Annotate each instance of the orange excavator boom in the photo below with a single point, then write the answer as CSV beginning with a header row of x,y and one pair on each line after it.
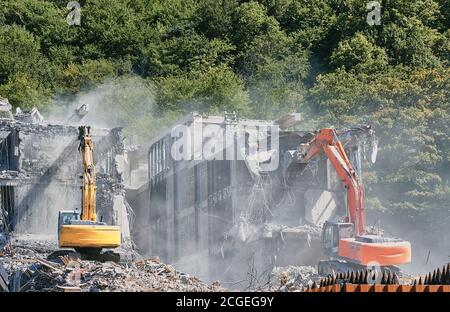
x,y
358,248
327,141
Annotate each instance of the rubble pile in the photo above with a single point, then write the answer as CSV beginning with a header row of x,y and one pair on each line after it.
x,y
307,229
28,269
292,278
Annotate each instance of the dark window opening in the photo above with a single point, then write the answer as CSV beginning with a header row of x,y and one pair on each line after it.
x,y
9,151
7,208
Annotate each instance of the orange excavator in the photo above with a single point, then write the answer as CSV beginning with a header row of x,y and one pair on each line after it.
x,y
347,243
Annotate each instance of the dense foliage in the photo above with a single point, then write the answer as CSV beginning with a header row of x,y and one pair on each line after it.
x,y
260,59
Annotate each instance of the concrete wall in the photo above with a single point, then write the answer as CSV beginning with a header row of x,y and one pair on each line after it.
x,y
320,206
37,206
48,176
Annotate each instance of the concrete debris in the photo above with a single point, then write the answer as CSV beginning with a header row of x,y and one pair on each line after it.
x,y
78,114
4,281
310,229
32,116
3,241
5,245
26,269
289,120
292,278
243,231
5,109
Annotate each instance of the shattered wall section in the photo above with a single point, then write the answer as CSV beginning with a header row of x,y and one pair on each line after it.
x,y
111,203
47,178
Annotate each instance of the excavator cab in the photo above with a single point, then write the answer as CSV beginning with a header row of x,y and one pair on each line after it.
x,y
347,250
332,233
66,217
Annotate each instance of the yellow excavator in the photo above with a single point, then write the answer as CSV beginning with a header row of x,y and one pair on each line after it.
x,y
82,231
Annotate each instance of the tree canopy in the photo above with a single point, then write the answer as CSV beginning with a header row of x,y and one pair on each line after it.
x,y
258,58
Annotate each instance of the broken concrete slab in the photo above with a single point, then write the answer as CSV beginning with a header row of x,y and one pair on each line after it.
x,y
320,206
5,109
292,278
121,216
4,280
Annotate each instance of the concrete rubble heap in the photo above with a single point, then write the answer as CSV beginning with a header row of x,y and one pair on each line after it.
x,y
292,278
27,269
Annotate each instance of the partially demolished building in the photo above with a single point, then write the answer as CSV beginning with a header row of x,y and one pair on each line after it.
x,y
40,173
222,214
217,195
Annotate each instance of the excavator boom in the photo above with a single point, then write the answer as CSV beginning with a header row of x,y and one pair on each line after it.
x,y
88,208
82,231
327,141
348,240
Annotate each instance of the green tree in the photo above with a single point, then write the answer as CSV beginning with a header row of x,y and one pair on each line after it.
x,y
310,21
25,74
257,36
216,90
81,76
411,44
41,18
25,92
216,18
278,86
19,52
109,29
359,54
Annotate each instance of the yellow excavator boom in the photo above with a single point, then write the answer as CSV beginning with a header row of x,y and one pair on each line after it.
x,y
89,188
83,230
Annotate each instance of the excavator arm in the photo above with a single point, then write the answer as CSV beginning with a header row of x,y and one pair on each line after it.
x,y
89,188
358,249
326,140
82,231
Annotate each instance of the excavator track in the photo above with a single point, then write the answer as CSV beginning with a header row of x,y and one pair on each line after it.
x,y
327,267
96,254
92,254
57,255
